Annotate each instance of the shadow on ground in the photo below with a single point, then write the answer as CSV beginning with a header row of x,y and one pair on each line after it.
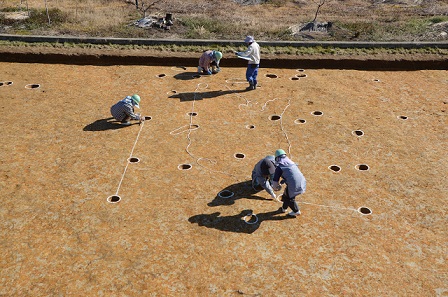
x,y
187,76
243,222
239,190
105,124
190,96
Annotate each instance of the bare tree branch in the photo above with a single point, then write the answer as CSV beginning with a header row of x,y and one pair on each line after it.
x,y
142,6
322,2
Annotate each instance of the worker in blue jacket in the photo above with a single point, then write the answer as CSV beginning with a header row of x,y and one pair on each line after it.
x,y
294,179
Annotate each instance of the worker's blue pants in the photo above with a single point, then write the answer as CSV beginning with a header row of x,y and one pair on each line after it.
x,y
251,74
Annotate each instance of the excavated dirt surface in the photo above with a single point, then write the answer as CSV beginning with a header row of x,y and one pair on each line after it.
x,y
171,233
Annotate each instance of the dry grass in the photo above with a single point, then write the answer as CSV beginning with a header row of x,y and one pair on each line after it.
x,y
407,20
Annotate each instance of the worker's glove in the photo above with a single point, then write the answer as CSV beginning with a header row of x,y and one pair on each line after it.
x,y
142,118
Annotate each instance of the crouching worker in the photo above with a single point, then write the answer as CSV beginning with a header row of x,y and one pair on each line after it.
x,y
209,62
123,110
294,179
262,175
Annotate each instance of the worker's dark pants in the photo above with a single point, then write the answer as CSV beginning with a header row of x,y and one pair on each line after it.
x,y
289,202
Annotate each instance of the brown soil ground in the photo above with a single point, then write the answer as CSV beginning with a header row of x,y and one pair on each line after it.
x,y
171,234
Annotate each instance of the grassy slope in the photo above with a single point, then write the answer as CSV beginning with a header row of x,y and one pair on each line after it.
x,y
354,20
359,20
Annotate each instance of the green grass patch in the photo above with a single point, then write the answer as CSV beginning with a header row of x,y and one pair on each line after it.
x,y
228,50
38,19
206,28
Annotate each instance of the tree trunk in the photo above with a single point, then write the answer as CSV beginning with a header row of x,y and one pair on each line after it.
x,y
48,15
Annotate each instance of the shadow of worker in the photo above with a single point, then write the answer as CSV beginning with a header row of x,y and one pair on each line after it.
x,y
105,124
187,75
244,222
190,96
240,190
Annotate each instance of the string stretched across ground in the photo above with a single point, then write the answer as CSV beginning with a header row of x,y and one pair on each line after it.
x,y
130,155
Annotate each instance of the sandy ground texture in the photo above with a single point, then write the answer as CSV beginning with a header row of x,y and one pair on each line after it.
x,y
375,225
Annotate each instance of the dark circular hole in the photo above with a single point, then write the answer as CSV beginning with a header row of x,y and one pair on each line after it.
x,y
300,70
275,117
192,114
358,133
251,219
362,167
250,126
300,121
1,84
113,199
302,75
364,210
194,126
335,168
239,156
317,113
148,118
133,160
376,80
162,75
184,167
271,75
226,194
32,86
8,83
295,78
403,117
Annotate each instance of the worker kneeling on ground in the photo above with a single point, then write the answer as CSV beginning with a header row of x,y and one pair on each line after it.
x,y
209,62
123,110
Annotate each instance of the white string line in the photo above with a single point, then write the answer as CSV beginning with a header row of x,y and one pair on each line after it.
x,y
191,116
248,102
281,121
264,105
189,138
127,163
321,205
176,131
283,130
236,81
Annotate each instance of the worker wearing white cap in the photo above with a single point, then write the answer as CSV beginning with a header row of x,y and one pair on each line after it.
x,y
253,55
